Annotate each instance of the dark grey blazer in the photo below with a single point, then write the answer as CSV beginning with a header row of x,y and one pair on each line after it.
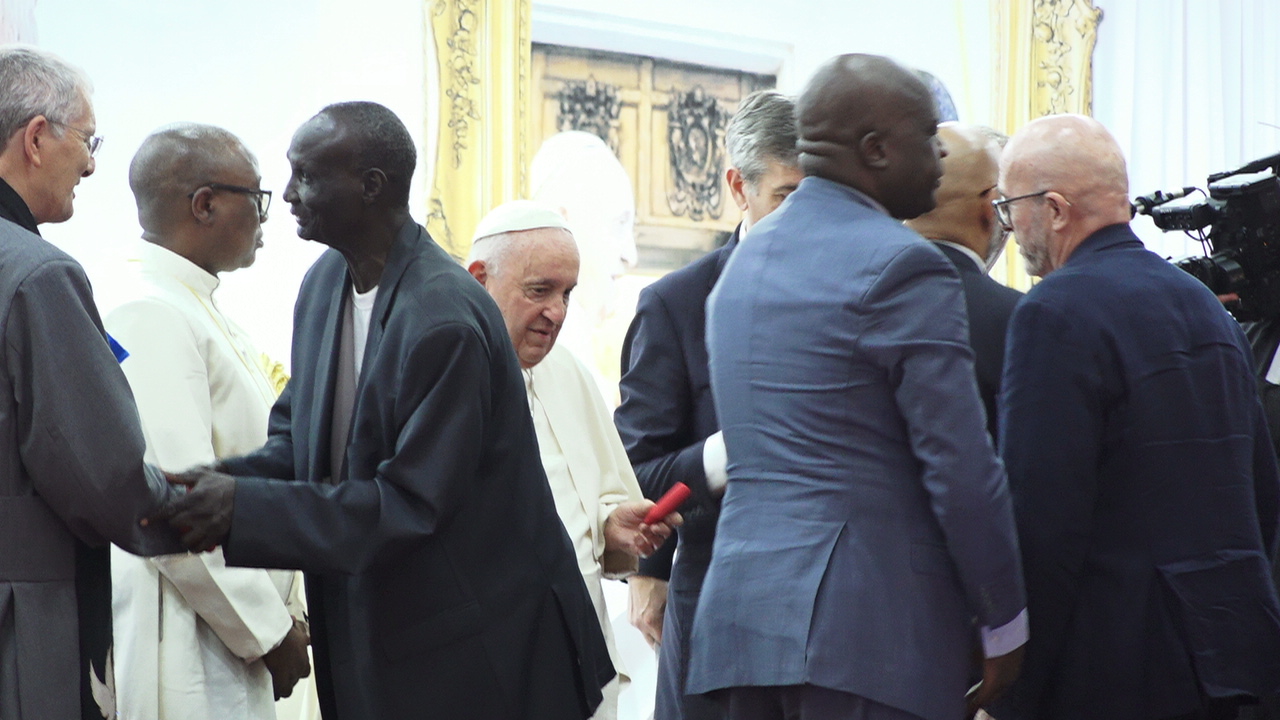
x,y
71,477
867,524
440,578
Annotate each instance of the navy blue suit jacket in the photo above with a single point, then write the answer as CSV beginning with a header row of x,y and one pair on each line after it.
x,y
1145,490
867,522
667,411
989,305
439,576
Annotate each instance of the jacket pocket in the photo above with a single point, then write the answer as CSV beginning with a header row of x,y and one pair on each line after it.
x,y
1229,620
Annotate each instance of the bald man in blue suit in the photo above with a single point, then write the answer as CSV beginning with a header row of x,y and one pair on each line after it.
x,y
866,537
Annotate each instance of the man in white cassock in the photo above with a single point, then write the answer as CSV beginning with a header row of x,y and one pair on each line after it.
x,y
195,639
525,256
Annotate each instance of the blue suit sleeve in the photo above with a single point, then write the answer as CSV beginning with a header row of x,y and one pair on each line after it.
x,y
918,332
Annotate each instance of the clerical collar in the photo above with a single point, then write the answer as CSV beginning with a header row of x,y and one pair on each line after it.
x,y
167,263
14,209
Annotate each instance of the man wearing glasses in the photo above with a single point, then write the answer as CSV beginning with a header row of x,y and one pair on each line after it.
x,y
1143,478
72,477
195,639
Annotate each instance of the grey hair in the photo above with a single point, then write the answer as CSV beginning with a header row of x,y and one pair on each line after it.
x,y
994,136
495,250
763,130
35,82
492,250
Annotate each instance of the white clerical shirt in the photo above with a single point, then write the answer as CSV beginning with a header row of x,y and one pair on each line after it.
x,y
190,631
587,468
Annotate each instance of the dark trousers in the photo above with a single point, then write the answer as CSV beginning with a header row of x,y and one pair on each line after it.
x,y
806,702
673,656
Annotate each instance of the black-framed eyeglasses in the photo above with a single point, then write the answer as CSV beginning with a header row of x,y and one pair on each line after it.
x,y
91,141
1002,207
261,198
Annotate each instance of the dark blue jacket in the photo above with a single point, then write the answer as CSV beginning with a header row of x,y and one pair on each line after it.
x,y
1145,491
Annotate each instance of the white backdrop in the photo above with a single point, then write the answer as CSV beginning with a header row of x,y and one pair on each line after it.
x,y
1187,87
259,69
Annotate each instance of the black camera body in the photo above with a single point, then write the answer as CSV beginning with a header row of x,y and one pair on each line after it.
x,y
1242,248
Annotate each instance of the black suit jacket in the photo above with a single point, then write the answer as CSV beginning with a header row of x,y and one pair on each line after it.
x,y
989,304
667,411
440,578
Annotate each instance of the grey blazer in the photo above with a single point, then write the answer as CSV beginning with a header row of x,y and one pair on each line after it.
x,y
439,576
71,477
867,526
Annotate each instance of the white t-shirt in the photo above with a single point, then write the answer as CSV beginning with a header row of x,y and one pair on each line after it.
x,y
361,315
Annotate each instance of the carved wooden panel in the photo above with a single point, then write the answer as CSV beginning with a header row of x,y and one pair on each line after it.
x,y
666,122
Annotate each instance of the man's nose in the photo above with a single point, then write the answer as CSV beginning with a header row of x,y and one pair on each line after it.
x,y
556,310
93,165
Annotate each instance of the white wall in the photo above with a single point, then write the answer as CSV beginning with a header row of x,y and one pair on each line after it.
x,y
259,69
1188,87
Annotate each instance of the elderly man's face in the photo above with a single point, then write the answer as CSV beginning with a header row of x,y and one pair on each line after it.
x,y
325,191
240,226
1030,223
64,160
532,289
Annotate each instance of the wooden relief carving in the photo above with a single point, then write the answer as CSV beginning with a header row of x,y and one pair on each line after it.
x,y
695,136
592,107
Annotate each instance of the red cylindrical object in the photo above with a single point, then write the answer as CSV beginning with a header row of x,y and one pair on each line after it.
x,y
670,500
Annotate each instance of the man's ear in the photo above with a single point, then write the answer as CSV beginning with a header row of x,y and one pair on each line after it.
x,y
1059,210
202,205
737,187
479,271
34,137
872,149
374,181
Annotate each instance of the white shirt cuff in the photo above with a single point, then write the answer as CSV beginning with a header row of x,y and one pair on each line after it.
x,y
715,463
1006,638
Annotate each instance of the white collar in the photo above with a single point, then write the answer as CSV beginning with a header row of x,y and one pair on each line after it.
x,y
165,262
975,257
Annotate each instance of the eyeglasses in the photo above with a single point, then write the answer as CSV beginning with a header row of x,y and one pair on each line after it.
x,y
261,198
1002,208
91,141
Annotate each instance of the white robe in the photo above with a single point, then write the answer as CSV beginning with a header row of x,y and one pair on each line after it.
x,y
589,474
190,631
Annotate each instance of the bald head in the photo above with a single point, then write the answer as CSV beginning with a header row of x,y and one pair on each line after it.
x,y
1080,169
869,123
969,173
1074,155
174,161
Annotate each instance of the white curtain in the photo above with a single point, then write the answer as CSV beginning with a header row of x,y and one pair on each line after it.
x,y
1188,87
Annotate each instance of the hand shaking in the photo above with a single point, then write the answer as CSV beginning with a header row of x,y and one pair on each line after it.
x,y
202,515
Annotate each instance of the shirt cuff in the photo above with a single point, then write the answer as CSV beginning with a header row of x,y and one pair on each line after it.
x,y
1006,638
715,463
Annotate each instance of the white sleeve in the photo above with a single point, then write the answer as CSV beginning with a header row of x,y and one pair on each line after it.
x,y
169,378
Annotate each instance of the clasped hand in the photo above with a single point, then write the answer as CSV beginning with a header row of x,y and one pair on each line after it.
x,y
201,515
627,531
